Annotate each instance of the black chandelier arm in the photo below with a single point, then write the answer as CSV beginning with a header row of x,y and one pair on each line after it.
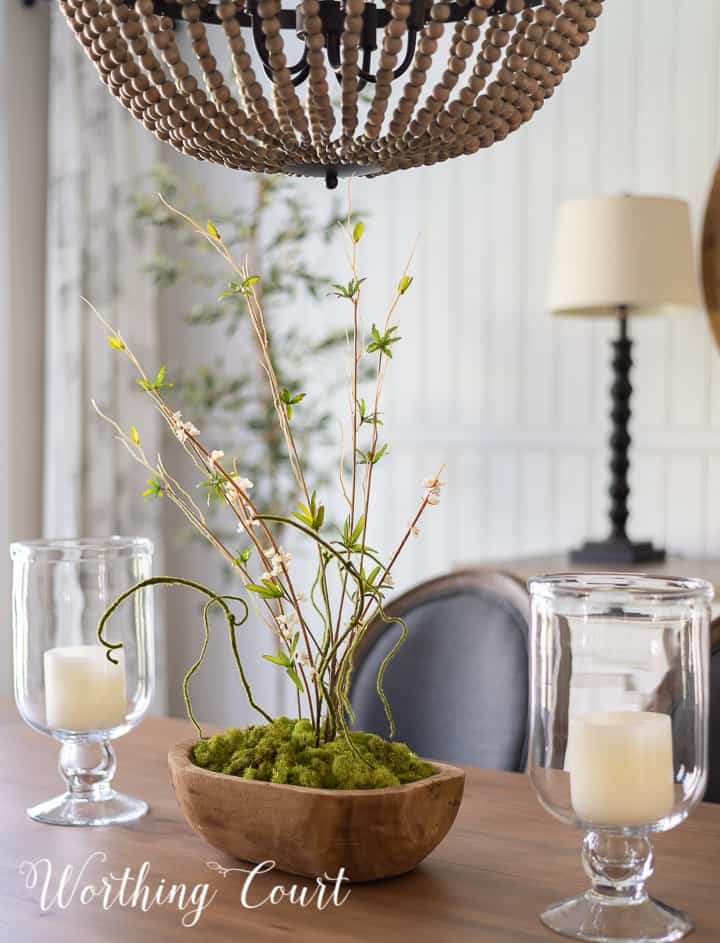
x,y
364,71
208,14
409,53
332,46
332,14
374,19
368,44
299,70
303,73
288,18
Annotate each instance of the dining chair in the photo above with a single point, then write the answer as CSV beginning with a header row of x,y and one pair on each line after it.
x,y
712,793
459,688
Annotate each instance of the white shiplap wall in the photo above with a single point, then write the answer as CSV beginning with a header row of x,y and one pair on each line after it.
x,y
512,400
516,401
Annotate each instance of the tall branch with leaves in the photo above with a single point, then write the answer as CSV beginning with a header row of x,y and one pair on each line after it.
x,y
317,634
274,231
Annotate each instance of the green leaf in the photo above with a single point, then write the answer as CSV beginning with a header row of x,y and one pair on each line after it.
x,y
290,400
292,674
376,456
372,419
358,529
278,659
134,437
215,486
115,342
404,283
243,557
235,289
350,540
358,232
312,516
372,576
212,229
370,457
349,291
153,490
266,590
383,342
232,289
157,384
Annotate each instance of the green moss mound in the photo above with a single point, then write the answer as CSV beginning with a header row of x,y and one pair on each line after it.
x,y
285,752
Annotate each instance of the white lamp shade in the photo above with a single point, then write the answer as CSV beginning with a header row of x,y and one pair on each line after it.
x,y
634,251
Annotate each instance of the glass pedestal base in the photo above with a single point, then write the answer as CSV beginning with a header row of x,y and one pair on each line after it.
x,y
113,809
87,766
592,917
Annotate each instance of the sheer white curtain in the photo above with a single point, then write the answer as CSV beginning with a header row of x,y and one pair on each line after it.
x,y
98,156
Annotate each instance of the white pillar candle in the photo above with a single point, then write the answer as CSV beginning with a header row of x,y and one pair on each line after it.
x,y
621,767
83,690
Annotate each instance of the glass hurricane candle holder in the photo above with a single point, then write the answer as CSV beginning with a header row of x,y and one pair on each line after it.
x,y
618,740
65,686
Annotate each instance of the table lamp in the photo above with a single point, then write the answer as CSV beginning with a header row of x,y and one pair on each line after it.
x,y
621,256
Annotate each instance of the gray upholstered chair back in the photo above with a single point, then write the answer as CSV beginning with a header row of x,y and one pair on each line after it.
x,y
712,793
458,688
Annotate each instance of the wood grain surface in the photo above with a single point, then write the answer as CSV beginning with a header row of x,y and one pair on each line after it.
x,y
524,568
504,860
371,833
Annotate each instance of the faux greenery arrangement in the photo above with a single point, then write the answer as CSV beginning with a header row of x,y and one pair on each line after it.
x,y
318,632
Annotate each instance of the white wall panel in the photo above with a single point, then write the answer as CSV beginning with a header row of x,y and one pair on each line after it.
x,y
684,502
648,487
531,391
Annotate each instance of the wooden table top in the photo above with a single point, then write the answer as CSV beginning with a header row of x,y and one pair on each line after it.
x,y
526,567
503,862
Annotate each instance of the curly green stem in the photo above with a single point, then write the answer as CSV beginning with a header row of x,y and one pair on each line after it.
x,y
214,598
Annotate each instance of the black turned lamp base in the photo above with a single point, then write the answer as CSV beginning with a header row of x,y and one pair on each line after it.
x,y
617,550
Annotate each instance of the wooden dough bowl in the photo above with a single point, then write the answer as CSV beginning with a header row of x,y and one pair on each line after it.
x,y
372,833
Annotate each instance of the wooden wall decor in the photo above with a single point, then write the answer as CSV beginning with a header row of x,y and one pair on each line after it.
x,y
711,256
504,59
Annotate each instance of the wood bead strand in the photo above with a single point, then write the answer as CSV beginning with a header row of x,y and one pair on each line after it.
x,y
392,44
283,89
231,118
426,48
245,79
322,117
349,69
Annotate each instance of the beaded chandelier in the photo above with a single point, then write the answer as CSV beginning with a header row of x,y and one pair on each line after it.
x,y
501,58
